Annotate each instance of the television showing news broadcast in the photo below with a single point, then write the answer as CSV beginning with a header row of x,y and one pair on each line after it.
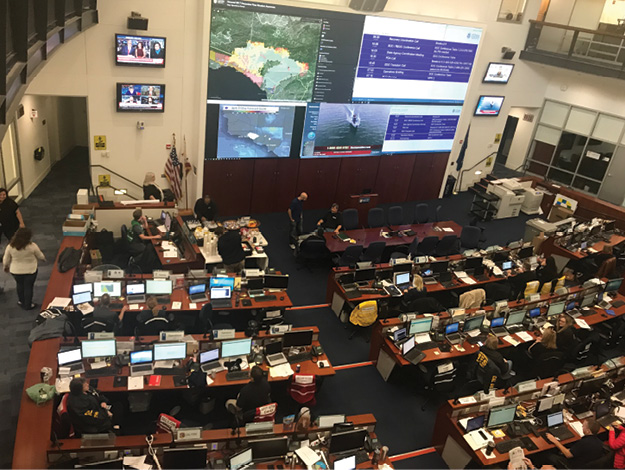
x,y
140,50
489,105
142,97
498,73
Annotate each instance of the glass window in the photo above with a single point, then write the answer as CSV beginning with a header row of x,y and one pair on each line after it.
x,y
569,151
51,16
586,185
554,113
543,152
511,10
537,169
548,135
32,31
608,128
560,176
69,8
596,159
581,121
9,39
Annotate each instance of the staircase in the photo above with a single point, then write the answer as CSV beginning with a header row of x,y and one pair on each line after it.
x,y
502,171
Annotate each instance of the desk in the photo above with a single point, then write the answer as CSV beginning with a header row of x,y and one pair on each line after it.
x,y
551,247
366,236
62,282
191,256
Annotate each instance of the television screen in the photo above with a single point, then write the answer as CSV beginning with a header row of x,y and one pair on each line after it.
x,y
140,97
140,50
489,105
498,73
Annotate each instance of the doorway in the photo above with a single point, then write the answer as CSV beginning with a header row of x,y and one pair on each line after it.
x,y
506,140
10,176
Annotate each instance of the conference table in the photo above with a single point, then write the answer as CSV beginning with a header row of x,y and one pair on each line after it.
x,y
366,236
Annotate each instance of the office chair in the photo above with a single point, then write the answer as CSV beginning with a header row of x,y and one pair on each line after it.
x,y
437,214
153,327
302,389
470,237
427,247
421,214
105,267
413,248
441,380
474,298
546,288
311,251
531,287
549,365
374,252
350,256
396,215
95,326
350,219
62,427
448,245
403,251
375,218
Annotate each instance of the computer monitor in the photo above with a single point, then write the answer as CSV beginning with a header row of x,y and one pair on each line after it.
x,y
583,245
602,409
476,423
497,322
402,267
185,458
526,252
595,230
197,289
534,312
452,328
69,356
112,288
407,346
137,288
297,338
608,226
367,274
587,300
170,351
506,265
255,283
499,256
81,298
348,463
273,347
221,293
240,459
515,317
590,386
158,287
98,348
439,266
346,441
472,263
555,308
276,281
473,323
236,347
384,274
218,281
613,285
420,325
272,448
141,357
401,278
555,419
399,334
209,356
80,288
501,415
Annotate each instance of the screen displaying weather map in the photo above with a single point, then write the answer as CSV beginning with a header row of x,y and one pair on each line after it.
x,y
255,131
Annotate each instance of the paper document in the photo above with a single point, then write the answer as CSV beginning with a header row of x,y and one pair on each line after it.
x,y
308,456
192,306
60,302
135,462
142,202
283,370
133,307
474,333
98,365
447,229
170,254
62,385
577,427
176,305
525,336
468,280
545,404
135,383
497,271
511,340
209,381
582,323
467,400
85,308
460,274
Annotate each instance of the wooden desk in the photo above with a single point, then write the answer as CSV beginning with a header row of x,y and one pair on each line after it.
x,y
192,257
366,236
62,282
551,247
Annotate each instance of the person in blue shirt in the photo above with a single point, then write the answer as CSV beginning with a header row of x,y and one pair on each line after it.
x,y
296,217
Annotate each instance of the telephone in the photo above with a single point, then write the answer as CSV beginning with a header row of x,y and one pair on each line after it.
x,y
371,443
316,351
121,360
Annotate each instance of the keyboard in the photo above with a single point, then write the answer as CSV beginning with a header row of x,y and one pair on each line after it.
x,y
561,432
265,298
163,300
237,375
427,345
362,457
300,357
352,294
370,291
504,447
223,303
102,372
116,305
169,371
477,339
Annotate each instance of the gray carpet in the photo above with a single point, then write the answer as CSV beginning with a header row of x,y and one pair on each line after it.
x,y
44,212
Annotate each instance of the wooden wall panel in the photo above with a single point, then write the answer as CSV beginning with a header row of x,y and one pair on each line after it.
x,y
318,177
275,184
229,182
427,176
393,179
356,174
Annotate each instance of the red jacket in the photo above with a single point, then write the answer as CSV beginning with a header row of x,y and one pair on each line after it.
x,y
617,444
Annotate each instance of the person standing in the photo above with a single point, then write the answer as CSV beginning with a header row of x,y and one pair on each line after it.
x,y
10,215
20,259
229,247
205,209
296,216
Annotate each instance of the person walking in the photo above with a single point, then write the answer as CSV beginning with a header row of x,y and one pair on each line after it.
x,y
21,258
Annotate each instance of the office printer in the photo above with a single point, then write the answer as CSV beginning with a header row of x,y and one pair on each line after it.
x,y
511,195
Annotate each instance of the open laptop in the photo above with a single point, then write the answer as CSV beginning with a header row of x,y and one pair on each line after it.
x,y
446,279
255,286
209,360
135,293
221,297
411,353
274,354
451,333
514,321
72,359
497,328
603,414
556,426
197,293
141,362
401,280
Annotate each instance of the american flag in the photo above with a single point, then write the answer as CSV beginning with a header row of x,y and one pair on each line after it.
x,y
173,172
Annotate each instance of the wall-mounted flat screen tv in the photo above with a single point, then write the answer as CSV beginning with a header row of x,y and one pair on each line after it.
x,y
489,105
140,97
146,51
498,73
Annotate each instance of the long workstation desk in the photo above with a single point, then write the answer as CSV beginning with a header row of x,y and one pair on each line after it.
x,y
449,438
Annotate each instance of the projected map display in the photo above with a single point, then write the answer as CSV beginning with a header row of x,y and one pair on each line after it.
x,y
255,131
261,56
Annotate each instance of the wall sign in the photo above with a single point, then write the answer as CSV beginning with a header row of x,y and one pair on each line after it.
x,y
99,142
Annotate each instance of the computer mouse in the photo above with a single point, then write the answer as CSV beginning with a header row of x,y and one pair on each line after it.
x,y
282,298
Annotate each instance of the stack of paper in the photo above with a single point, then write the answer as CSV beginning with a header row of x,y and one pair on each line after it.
x,y
511,340
136,462
283,370
525,336
62,385
59,302
464,277
582,323
135,383
308,456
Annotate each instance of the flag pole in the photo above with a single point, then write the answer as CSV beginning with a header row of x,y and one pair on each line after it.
x,y
184,170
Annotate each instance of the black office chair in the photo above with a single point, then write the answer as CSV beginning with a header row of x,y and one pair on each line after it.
x,y
448,245
470,237
404,251
549,365
350,256
441,380
396,215
421,214
95,326
375,218
222,320
153,327
427,247
423,305
312,251
374,252
350,219
437,217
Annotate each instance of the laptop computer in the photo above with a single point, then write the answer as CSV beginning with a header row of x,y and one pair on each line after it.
x,y
401,280
556,426
451,333
71,359
497,328
479,274
221,297
209,360
135,293
514,321
411,353
446,279
255,286
141,362
604,416
197,293
274,354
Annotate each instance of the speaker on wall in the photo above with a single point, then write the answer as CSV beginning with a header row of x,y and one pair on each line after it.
x,y
367,5
138,23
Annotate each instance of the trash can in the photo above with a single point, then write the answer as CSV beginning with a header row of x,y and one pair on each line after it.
x,y
449,186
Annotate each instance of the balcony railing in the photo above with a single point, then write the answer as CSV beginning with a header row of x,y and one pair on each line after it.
x,y
586,50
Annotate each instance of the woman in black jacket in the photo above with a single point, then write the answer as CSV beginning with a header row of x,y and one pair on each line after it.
x,y
547,272
88,411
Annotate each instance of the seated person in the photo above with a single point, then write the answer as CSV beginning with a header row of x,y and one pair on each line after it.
x,y
102,313
547,271
565,338
253,395
417,291
153,310
518,280
617,444
490,350
88,411
332,221
544,344
151,191
205,209
316,235
606,253
137,234
583,452
570,279
230,249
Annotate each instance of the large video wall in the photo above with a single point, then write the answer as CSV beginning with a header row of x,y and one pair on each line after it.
x,y
301,83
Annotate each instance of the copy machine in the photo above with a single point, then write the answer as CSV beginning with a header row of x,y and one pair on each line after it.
x,y
511,195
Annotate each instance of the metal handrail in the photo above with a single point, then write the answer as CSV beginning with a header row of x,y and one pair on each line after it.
x,y
575,28
462,172
117,174
94,190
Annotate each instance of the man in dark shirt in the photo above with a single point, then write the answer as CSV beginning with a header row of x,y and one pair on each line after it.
x,y
253,395
490,350
88,411
332,221
205,209
230,249
104,314
296,216
588,449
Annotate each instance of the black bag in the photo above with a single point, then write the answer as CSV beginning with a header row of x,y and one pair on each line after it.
x,y
168,195
68,259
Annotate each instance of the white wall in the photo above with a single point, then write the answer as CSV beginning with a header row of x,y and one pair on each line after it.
x,y
613,11
522,136
587,13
